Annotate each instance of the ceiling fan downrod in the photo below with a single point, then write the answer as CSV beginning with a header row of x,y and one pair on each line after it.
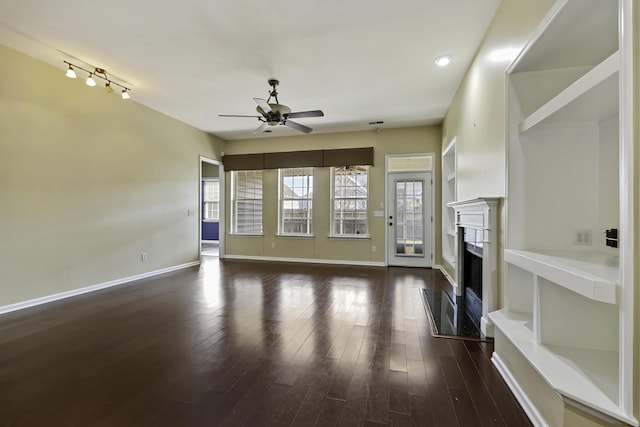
x,y
273,93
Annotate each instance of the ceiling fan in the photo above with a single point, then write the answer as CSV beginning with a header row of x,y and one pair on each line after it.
x,y
273,114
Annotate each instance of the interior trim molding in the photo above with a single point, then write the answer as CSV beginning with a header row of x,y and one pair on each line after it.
x,y
445,274
307,260
529,408
75,292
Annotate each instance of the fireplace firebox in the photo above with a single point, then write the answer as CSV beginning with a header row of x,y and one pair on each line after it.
x,y
472,276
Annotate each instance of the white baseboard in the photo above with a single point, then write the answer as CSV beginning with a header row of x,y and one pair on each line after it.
x,y
486,326
307,260
72,293
528,406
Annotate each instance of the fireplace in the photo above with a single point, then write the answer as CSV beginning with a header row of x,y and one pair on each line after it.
x,y
476,278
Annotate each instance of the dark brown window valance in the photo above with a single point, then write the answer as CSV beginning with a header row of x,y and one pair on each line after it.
x,y
348,157
293,159
240,162
297,159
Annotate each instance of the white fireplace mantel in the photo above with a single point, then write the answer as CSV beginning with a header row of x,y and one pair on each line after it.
x,y
480,214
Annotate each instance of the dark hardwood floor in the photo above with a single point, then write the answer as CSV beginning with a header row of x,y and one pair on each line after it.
x,y
247,343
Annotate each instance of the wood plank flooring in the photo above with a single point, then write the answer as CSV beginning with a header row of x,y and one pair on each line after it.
x,y
232,343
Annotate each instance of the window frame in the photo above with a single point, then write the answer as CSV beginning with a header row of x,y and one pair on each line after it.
x,y
206,181
310,172
332,233
234,204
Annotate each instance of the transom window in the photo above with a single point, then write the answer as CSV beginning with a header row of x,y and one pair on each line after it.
x,y
296,201
349,204
246,208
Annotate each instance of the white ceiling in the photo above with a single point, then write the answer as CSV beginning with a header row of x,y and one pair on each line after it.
x,y
357,60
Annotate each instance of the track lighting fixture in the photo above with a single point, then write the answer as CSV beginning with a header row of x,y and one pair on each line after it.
x,y
99,73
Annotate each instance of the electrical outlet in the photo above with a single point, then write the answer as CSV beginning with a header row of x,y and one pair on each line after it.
x,y
273,245
373,249
583,237
144,257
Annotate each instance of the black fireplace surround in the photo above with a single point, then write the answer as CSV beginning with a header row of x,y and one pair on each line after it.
x,y
472,280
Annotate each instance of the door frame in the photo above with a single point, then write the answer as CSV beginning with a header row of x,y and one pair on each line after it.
x,y
221,222
388,209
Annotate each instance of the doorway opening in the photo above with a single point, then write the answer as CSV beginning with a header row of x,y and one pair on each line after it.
x,y
211,208
410,210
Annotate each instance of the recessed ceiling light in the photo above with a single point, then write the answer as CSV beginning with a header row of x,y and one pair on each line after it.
x,y
443,61
504,55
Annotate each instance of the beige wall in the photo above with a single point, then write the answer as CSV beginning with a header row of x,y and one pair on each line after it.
x,y
88,182
477,114
636,391
425,139
210,170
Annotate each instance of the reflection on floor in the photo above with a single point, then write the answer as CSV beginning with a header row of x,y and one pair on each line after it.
x,y
449,319
210,248
249,343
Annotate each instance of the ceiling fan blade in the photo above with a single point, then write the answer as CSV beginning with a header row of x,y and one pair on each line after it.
x,y
236,115
301,114
261,128
298,126
263,104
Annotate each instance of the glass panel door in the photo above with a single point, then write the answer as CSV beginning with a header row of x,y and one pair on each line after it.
x,y
409,215
409,219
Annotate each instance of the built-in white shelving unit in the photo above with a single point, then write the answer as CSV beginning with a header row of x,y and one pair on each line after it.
x,y
568,309
448,196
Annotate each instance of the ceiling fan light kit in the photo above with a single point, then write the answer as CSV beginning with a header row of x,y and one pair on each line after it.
x,y
274,114
100,73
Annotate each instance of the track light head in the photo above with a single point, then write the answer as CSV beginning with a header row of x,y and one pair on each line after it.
x,y
71,73
90,81
108,87
125,94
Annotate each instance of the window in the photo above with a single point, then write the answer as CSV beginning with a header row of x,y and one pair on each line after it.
x,y
247,202
296,201
211,200
349,204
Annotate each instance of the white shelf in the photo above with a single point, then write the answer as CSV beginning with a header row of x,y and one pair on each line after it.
x,y
574,33
450,150
449,195
450,259
587,376
593,275
600,84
